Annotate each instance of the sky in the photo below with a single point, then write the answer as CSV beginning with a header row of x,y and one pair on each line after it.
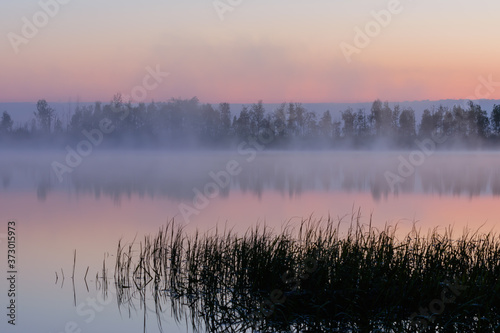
x,y
242,51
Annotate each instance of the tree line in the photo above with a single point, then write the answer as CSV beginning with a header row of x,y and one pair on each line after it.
x,y
181,123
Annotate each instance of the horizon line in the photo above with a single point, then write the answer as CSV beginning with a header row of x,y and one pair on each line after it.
x,y
253,102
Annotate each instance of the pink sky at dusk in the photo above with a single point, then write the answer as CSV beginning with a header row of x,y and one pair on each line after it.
x,y
275,52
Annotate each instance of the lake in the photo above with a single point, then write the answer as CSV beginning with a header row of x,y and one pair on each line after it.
x,y
125,195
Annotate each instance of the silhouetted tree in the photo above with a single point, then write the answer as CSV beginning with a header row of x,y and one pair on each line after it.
x,y
438,119
300,113
211,123
348,117
407,124
362,125
185,122
291,123
256,114
6,123
325,125
243,128
311,125
461,121
225,118
448,123
44,115
495,120
296,120
279,121
479,123
395,120
336,130
82,119
427,125
381,117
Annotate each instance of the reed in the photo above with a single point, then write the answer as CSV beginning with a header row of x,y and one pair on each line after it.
x,y
312,278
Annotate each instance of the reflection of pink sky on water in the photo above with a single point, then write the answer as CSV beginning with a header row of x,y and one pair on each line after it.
x,y
48,233
50,230
114,196
428,210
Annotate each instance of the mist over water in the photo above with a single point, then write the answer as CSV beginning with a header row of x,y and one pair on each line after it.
x,y
175,175
117,195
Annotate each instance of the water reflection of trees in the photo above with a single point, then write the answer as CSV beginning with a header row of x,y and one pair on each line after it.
x,y
175,176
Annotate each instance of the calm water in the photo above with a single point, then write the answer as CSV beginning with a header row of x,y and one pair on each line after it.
x,y
122,195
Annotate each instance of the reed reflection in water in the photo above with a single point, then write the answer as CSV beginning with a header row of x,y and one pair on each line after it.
x,y
312,279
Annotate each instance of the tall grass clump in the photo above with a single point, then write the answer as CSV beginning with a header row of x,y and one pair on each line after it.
x,y
315,278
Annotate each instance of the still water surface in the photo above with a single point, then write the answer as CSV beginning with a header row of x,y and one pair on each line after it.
x,y
123,195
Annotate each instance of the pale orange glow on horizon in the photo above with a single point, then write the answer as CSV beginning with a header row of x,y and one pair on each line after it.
x,y
258,52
